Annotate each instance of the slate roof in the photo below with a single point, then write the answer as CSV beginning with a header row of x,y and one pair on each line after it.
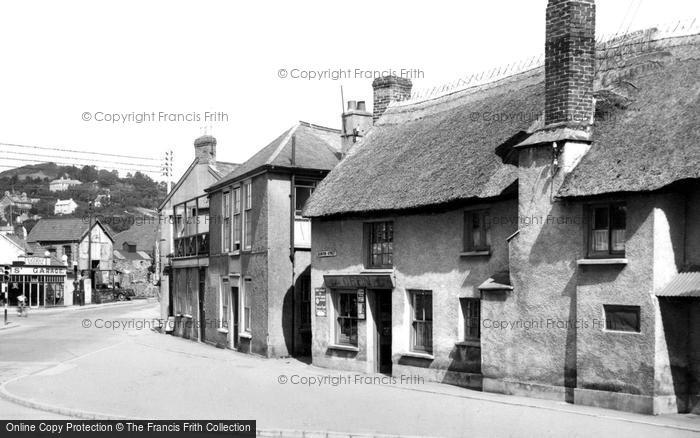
x,y
442,151
61,230
143,234
317,148
126,255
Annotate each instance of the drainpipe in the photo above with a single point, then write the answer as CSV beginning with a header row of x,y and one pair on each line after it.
x,y
292,214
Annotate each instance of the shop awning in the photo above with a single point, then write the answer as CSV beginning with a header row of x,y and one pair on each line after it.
x,y
500,281
685,284
352,281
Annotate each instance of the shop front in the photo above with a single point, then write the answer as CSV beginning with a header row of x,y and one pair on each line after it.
x,y
42,286
353,324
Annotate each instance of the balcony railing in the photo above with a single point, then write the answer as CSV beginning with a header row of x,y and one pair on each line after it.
x,y
192,246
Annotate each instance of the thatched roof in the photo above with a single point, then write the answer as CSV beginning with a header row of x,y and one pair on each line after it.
x,y
443,151
317,148
652,141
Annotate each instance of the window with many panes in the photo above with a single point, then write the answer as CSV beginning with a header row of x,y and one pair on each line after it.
x,y
608,223
380,244
247,215
225,300
236,200
346,318
422,321
477,234
302,193
247,304
471,312
226,223
622,318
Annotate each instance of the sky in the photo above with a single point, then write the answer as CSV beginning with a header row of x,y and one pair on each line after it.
x,y
139,78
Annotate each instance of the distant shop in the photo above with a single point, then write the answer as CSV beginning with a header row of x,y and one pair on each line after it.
x,y
41,284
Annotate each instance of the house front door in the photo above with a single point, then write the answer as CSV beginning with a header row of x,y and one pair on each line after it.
x,y
233,332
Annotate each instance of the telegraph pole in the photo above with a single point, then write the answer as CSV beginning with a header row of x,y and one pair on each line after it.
x,y
6,287
92,286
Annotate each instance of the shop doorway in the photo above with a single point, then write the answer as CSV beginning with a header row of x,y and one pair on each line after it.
x,y
234,317
202,291
382,312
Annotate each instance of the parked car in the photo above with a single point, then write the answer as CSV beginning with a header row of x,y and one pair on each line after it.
x,y
107,293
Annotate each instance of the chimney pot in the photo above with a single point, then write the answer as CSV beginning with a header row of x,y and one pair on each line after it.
x,y
205,149
361,106
389,89
569,62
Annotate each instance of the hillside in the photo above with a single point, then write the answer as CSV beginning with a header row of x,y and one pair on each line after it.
x,y
122,199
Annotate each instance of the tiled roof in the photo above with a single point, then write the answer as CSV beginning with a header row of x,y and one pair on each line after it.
x,y
685,284
317,148
61,230
126,255
143,234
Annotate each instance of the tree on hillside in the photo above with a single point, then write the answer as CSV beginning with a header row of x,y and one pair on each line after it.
x,y
88,174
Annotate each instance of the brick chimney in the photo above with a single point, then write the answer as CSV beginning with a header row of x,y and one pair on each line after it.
x,y
389,89
205,149
356,122
569,63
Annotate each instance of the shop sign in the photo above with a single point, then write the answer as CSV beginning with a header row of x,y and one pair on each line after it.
x,y
327,253
38,270
321,304
365,281
35,260
361,304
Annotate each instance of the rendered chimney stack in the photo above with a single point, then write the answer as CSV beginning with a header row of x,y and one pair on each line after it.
x,y
569,63
356,122
205,149
389,89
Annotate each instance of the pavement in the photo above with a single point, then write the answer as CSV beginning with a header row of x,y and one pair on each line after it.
x,y
115,366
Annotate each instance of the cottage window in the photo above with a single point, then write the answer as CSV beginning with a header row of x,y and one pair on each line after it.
x,y
346,320
422,324
247,205
471,311
622,318
226,224
236,218
607,230
381,244
477,232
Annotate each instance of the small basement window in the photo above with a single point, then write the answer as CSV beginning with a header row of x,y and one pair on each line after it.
x,y
622,318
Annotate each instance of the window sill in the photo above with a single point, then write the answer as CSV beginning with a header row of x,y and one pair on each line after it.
x,y
343,347
234,253
475,253
609,261
418,355
468,343
245,335
222,330
622,332
377,271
